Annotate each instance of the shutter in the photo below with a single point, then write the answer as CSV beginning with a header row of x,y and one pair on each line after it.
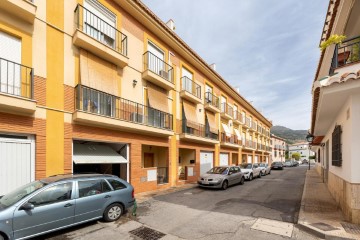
x,y
336,147
157,97
226,130
190,115
212,123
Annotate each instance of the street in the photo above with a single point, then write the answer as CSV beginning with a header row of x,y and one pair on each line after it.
x,y
198,213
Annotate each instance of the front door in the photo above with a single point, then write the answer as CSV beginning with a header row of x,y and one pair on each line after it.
x,y
53,208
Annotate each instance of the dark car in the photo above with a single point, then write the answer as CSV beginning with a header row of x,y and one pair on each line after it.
x,y
62,201
277,166
304,161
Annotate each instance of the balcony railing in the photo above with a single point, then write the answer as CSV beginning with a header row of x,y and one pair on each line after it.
x,y
212,99
250,144
345,53
247,122
238,116
16,79
226,108
162,175
157,66
198,130
233,139
190,86
259,129
99,29
254,126
100,103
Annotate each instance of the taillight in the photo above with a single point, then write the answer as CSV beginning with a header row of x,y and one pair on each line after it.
x,y
133,194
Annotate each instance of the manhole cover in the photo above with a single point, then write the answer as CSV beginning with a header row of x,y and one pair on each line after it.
x,y
146,233
273,226
351,228
323,226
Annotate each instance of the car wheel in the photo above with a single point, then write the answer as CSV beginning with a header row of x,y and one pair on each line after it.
x,y
225,185
259,175
251,177
242,181
2,237
113,212
269,172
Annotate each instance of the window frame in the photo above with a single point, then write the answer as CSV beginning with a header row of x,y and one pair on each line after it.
x,y
49,187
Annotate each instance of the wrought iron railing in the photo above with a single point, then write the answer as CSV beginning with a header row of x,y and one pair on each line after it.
x,y
212,99
233,139
190,86
100,103
16,79
238,116
226,108
158,66
250,144
345,53
162,175
198,130
99,29
247,122
254,126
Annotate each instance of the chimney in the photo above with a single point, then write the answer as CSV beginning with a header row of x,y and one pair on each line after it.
x,y
171,24
213,66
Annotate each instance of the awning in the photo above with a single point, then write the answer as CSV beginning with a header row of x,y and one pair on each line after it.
x,y
157,97
98,74
212,123
226,130
95,154
237,133
190,114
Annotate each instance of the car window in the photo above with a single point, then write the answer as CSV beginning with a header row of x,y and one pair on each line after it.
x,y
255,165
93,187
219,170
54,194
232,170
246,166
237,169
116,184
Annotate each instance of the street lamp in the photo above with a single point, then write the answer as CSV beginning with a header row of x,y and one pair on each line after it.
x,y
309,139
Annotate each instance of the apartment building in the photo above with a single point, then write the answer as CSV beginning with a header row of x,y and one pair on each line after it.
x,y
279,147
106,86
335,107
303,148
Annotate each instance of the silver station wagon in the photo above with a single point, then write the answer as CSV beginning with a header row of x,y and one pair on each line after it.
x,y
222,177
62,201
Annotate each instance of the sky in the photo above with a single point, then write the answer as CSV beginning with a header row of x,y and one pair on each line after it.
x,y
266,48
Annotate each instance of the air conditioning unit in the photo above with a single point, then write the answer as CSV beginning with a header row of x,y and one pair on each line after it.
x,y
164,74
136,117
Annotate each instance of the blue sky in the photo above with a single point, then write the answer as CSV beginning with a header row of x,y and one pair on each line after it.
x,y
266,48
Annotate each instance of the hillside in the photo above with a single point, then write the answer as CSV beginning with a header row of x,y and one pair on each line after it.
x,y
292,136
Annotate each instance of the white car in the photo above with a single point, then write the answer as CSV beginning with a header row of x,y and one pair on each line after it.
x,y
265,169
250,170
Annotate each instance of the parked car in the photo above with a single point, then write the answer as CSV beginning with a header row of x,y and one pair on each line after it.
x,y
250,170
305,161
277,166
287,164
62,201
265,169
221,177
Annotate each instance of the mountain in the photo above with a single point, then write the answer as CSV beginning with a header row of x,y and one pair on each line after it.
x,y
292,136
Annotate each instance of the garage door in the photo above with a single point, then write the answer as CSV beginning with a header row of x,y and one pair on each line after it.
x,y
206,161
256,159
224,159
249,160
17,163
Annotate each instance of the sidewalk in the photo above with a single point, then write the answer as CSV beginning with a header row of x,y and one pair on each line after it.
x,y
319,213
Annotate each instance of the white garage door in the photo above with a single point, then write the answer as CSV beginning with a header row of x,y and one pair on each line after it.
x,y
224,159
17,163
249,159
206,161
256,159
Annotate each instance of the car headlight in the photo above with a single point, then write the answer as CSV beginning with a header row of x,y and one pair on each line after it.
x,y
217,179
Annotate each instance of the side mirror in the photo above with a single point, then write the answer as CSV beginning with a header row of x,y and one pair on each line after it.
x,y
27,206
230,173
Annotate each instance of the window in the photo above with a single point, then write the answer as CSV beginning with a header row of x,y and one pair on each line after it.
x,y
187,78
92,187
235,112
116,185
336,146
223,104
155,60
54,194
243,116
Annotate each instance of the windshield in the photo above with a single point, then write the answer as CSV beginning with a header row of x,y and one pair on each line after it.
x,y
245,166
262,165
19,193
218,170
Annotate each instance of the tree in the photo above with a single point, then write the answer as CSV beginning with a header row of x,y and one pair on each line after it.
x,y
286,154
296,156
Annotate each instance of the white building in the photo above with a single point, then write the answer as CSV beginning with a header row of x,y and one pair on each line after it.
x,y
279,147
301,148
336,108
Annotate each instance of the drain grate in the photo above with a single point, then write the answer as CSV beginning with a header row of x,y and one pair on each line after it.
x,y
146,233
323,226
351,228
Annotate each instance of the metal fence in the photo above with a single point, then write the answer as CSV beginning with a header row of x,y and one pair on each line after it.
x,y
198,130
158,66
212,99
345,53
190,86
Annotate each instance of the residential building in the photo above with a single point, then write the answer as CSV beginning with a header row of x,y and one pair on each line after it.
x,y
279,147
106,86
303,148
335,108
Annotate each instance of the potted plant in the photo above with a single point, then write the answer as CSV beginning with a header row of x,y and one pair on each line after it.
x,y
333,39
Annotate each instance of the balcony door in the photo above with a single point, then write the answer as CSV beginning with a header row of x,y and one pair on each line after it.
x,y
186,83
156,60
208,93
223,104
10,68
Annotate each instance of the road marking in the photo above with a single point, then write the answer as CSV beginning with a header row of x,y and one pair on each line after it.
x,y
273,226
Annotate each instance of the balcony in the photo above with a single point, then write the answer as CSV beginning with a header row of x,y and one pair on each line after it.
x,y
99,37
232,141
16,88
226,111
260,129
247,123
22,9
250,144
211,102
157,71
100,109
190,90
253,126
238,117
345,53
198,133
